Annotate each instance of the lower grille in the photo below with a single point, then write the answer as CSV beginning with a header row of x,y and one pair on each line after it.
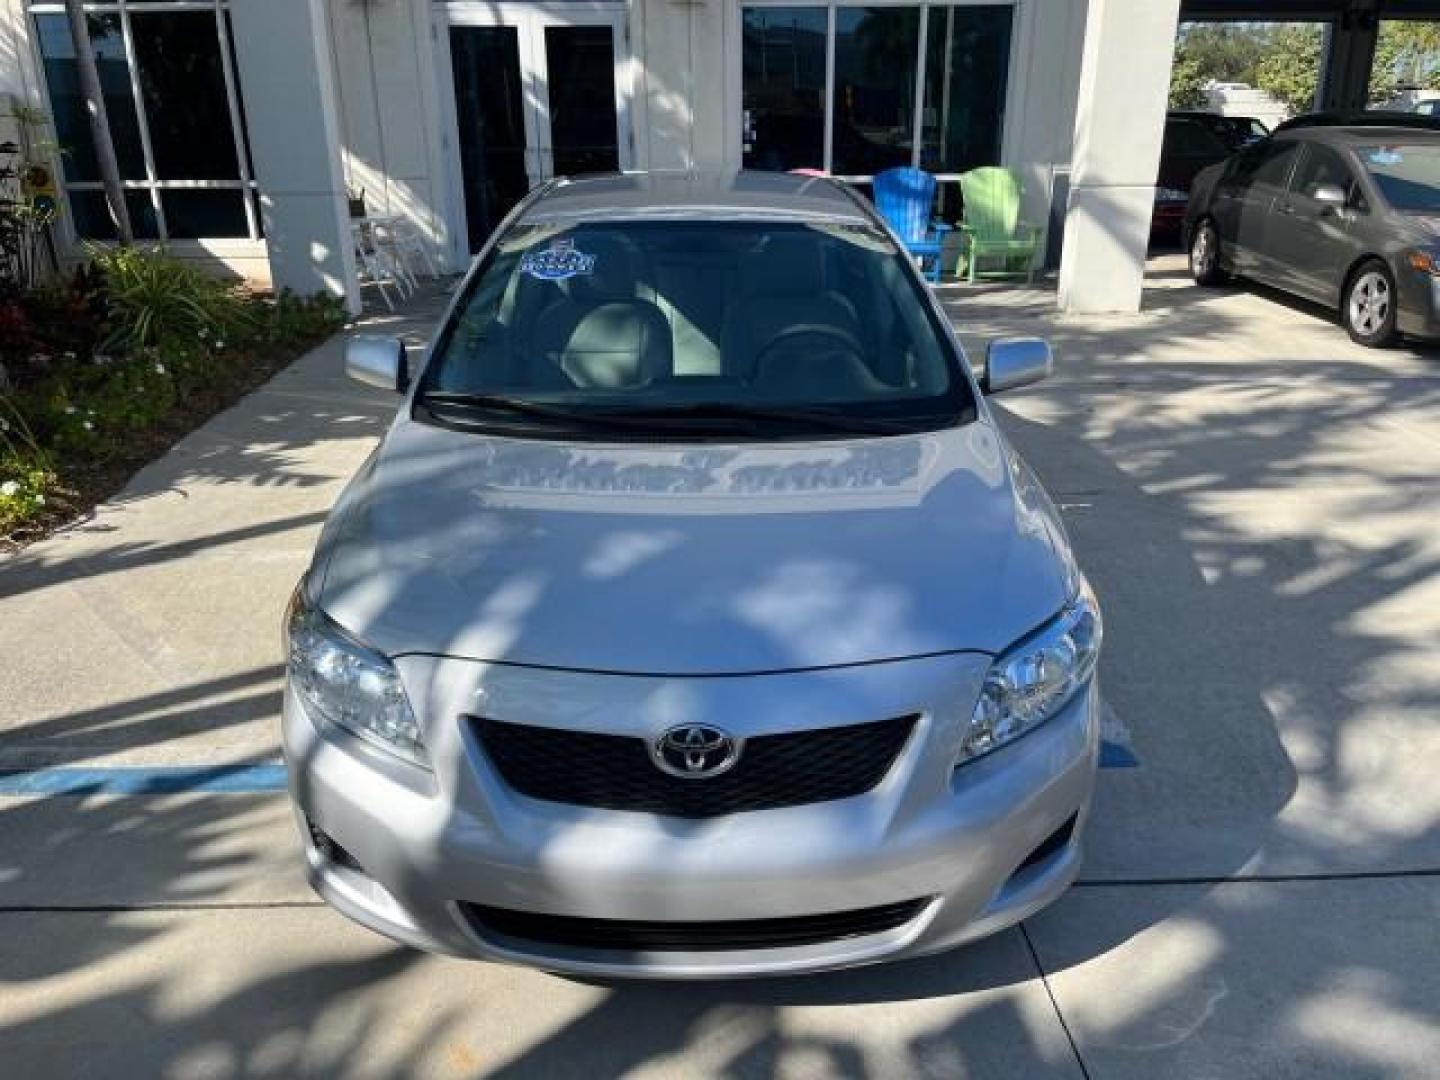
x,y
723,936
615,772
1051,844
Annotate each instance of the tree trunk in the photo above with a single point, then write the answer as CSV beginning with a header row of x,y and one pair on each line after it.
x,y
94,99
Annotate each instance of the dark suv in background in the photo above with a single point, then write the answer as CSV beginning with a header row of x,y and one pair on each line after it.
x,y
1345,215
1192,142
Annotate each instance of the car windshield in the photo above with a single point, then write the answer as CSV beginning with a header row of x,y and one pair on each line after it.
x,y
671,328
1408,176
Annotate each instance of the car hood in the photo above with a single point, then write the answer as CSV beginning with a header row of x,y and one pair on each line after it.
x,y
692,559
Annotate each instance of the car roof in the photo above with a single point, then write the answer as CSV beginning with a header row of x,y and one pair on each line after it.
x,y
1355,121
1361,135
717,195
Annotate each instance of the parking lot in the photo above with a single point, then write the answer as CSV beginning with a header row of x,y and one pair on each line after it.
x,y
1255,500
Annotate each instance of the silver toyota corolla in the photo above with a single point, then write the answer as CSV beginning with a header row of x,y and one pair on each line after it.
x,y
694,617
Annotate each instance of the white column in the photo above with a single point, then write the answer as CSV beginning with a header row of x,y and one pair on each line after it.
x,y
1119,122
283,62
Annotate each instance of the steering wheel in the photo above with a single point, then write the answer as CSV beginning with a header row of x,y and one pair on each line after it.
x,y
825,338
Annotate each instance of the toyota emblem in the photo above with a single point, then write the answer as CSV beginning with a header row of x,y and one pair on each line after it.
x,y
695,751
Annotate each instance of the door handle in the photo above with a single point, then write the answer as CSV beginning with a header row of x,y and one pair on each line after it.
x,y
1287,210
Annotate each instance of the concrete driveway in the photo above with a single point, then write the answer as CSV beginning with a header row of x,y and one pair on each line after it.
x,y
1257,503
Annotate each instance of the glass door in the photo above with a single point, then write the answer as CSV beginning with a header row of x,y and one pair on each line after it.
x,y
540,90
581,107
496,165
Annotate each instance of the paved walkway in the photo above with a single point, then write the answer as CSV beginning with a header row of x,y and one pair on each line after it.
x,y
1256,501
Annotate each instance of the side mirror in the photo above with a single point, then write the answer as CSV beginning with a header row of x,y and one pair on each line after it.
x,y
377,361
1012,362
1329,196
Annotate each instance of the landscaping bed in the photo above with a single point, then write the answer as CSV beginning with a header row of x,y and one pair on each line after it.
x,y
102,372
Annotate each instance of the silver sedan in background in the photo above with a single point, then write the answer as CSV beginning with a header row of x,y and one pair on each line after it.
x,y
694,617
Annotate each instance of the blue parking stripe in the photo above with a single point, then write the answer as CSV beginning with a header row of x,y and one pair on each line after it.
x,y
245,779
242,779
1114,755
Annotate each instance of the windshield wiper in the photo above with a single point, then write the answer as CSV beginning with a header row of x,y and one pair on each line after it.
x,y
670,419
499,403
828,420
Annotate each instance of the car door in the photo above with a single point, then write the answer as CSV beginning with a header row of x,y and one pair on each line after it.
x,y
1315,242
1245,199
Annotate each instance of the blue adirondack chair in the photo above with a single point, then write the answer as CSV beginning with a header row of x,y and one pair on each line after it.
x,y
905,198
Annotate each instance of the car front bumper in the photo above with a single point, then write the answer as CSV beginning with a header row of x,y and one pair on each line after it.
x,y
1419,311
405,851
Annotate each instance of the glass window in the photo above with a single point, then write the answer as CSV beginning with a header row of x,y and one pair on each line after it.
x,y
1408,176
1186,138
580,62
1274,167
667,327
1321,166
92,216
1406,66
196,214
490,108
874,98
183,84
72,122
870,103
1264,163
185,110
967,67
783,57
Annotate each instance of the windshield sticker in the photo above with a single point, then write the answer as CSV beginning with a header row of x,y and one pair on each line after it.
x,y
559,261
1386,155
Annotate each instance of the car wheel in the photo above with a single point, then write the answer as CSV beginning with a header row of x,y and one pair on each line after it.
x,y
1369,308
1205,265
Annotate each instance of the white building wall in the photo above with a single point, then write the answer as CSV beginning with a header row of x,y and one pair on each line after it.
x,y
679,48
1044,77
391,132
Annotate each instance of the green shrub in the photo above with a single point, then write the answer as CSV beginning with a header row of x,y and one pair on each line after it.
x,y
23,487
153,298
26,474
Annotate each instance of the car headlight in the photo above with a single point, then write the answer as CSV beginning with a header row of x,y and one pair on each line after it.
x,y
1034,679
341,681
1171,195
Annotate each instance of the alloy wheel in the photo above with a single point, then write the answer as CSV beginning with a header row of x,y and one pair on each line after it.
x,y
1202,252
1370,303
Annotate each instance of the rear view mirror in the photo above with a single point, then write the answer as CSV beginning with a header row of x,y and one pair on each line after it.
x,y
1012,362
377,361
1329,196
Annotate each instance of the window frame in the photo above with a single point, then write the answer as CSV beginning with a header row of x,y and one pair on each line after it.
x,y
1011,104
152,185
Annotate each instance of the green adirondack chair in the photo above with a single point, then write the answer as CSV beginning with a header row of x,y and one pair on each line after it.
x,y
992,227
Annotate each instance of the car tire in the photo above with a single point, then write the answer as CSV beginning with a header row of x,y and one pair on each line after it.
x,y
1205,265
1370,308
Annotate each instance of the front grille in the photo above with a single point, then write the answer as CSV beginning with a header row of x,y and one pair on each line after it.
x,y
615,772
726,935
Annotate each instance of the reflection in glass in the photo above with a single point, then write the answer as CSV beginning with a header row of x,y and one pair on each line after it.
x,y
192,214
580,66
967,65
874,103
72,124
783,57
92,216
183,84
